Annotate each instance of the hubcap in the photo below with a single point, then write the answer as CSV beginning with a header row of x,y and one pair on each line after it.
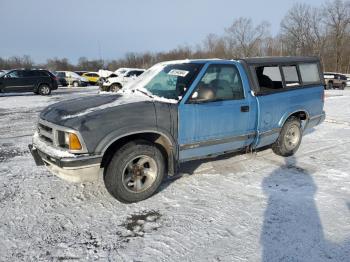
x,y
292,137
139,174
45,90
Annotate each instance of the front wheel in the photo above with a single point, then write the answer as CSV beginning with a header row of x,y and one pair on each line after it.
x,y
115,87
135,172
289,139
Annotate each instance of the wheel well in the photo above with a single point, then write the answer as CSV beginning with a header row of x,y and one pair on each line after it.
x,y
302,115
160,141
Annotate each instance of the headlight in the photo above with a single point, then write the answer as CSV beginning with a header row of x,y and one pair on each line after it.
x,y
69,140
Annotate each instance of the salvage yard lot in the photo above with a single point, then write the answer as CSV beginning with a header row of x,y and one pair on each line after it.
x,y
253,207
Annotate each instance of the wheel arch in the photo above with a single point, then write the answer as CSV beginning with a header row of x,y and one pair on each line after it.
x,y
302,114
161,140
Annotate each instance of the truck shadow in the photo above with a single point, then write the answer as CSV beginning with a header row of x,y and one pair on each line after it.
x,y
292,229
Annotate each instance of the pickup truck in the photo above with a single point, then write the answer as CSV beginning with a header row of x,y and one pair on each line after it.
x,y
176,112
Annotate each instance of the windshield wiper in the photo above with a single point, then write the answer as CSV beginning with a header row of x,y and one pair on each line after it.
x,y
143,92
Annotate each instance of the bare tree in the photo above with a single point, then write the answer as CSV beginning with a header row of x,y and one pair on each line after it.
x,y
245,39
337,19
301,31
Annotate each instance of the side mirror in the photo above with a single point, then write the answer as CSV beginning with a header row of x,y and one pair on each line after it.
x,y
7,76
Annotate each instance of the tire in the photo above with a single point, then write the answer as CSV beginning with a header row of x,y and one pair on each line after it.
x,y
330,85
75,84
115,87
289,139
343,85
125,179
44,90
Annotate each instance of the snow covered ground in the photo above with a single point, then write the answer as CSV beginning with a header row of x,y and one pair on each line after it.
x,y
258,207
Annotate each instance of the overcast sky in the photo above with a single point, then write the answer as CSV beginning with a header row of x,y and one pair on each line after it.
x,y
75,28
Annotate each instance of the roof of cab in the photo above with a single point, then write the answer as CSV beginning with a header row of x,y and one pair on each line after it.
x,y
279,59
256,60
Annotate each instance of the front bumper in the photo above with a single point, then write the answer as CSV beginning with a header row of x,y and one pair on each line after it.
x,y
79,169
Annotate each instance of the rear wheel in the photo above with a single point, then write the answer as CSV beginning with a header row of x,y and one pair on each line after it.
x,y
75,84
115,87
135,172
343,85
289,139
44,89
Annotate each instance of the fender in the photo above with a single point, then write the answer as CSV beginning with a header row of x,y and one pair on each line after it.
x,y
114,136
291,112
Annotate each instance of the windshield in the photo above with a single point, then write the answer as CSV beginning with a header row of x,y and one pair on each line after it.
x,y
74,75
168,80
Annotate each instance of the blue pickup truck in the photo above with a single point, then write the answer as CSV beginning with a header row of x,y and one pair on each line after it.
x,y
176,112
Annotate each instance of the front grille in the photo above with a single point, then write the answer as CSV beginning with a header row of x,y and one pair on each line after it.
x,y
46,133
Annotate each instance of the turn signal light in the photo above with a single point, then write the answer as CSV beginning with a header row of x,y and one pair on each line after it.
x,y
74,143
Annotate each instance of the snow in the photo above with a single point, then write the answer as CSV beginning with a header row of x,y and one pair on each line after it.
x,y
252,207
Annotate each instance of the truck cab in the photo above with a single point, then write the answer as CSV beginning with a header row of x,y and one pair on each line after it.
x,y
178,111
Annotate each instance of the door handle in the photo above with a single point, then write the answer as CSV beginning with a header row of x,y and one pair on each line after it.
x,y
244,108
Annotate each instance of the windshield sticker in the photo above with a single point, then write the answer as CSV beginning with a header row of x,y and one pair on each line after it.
x,y
178,72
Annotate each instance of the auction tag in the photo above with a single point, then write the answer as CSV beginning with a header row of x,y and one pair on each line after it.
x,y
178,72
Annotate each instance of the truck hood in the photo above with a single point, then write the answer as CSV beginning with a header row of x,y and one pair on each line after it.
x,y
67,112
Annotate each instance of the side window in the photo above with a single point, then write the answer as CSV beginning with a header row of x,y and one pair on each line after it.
x,y
14,74
291,76
269,78
309,73
220,82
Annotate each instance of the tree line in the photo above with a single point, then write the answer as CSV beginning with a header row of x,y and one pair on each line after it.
x,y
322,31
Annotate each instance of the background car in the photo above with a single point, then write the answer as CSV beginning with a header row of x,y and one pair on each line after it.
x,y
348,79
92,77
80,72
335,80
120,78
28,80
61,80
73,78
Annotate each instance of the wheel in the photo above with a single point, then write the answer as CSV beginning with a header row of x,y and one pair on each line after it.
x,y
75,84
44,89
289,139
343,85
330,85
135,172
115,87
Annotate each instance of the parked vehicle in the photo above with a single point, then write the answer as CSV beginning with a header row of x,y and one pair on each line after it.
x,y
73,78
92,77
61,80
28,80
335,80
2,72
347,79
180,111
80,72
123,76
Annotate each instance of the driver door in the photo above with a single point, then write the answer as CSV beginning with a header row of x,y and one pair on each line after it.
x,y
216,117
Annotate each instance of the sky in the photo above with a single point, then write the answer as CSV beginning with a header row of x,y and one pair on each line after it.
x,y
109,29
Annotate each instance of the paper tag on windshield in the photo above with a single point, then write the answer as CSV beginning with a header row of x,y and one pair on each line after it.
x,y
178,72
